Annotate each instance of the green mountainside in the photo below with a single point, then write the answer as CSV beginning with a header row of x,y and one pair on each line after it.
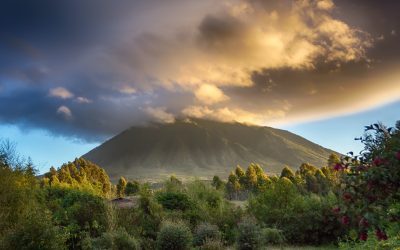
x,y
202,148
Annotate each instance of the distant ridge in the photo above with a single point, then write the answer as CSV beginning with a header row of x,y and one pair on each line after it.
x,y
202,148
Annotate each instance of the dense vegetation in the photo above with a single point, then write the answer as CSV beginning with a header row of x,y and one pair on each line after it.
x,y
353,202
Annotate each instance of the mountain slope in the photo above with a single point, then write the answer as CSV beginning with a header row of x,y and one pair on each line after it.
x,y
202,148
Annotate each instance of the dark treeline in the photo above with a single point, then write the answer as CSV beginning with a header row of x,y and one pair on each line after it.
x,y
351,203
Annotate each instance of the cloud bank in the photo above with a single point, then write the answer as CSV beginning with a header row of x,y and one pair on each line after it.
x,y
131,62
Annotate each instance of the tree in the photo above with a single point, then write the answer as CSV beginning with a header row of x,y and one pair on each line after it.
x,y
258,169
81,174
305,169
132,187
121,186
251,177
371,182
233,186
217,182
288,173
333,160
241,175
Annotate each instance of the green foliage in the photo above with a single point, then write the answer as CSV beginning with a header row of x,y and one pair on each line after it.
x,y
174,236
233,186
173,184
117,240
288,210
333,160
174,200
249,236
78,212
212,244
18,194
149,216
371,182
305,169
205,231
132,187
210,206
250,182
24,222
121,186
272,236
240,184
371,242
36,231
217,183
81,174
288,173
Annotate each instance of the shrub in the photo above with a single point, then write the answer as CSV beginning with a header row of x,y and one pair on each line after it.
x,y
272,236
371,181
148,217
249,236
174,236
78,212
370,242
118,240
205,232
35,232
288,210
132,188
212,244
227,219
174,200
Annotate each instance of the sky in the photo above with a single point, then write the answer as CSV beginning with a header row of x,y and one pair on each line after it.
x,y
74,73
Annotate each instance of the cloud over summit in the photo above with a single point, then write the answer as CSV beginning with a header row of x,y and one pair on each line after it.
x,y
130,62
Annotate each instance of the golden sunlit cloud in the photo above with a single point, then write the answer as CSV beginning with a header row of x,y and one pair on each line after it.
x,y
60,92
255,61
65,112
160,114
210,94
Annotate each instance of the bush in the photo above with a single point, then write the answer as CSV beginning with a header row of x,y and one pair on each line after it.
x,y
370,241
35,232
303,219
174,236
212,244
132,188
249,236
272,236
148,218
78,212
371,182
174,200
118,240
205,232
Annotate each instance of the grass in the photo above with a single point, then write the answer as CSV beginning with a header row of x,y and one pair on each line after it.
x,y
301,248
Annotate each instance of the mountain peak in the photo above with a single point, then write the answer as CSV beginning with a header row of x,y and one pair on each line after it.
x,y
202,148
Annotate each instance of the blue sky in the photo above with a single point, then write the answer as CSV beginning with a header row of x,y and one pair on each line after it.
x,y
43,148
338,133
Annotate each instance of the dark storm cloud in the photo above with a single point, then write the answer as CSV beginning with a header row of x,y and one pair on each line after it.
x,y
89,69
381,19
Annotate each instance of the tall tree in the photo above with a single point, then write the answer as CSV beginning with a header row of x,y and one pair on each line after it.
x,y
333,160
121,186
288,173
251,177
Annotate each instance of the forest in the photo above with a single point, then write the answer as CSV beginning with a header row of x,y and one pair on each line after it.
x,y
351,203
